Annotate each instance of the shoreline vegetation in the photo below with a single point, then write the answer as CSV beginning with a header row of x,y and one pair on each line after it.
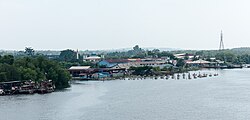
x,y
29,72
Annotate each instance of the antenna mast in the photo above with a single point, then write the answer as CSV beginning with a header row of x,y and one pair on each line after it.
x,y
221,42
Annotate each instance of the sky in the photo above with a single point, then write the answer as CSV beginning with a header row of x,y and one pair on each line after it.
x,y
111,24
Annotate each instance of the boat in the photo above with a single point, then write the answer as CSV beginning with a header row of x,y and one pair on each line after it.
x,y
2,92
26,89
10,87
45,87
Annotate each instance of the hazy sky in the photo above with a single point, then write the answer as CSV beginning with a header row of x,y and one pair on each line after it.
x,y
109,24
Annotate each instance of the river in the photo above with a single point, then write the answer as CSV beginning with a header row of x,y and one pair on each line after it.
x,y
225,97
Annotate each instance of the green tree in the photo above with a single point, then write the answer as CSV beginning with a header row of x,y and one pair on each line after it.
x,y
63,79
226,56
137,48
68,55
145,70
52,74
157,69
34,68
8,59
29,51
166,54
3,77
10,71
180,63
28,74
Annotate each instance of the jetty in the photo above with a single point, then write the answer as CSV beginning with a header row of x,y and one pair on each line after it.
x,y
26,87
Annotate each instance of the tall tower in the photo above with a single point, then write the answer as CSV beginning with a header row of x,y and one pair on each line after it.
x,y
221,42
77,54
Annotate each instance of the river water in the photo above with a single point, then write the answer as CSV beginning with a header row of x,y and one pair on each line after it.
x,y
225,97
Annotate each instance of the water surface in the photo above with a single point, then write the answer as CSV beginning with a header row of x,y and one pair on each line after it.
x,y
224,97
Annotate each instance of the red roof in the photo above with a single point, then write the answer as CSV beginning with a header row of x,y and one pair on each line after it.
x,y
117,60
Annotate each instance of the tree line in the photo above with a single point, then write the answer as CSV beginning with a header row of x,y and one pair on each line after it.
x,y
35,68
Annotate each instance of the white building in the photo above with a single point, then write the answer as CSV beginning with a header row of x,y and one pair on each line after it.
x,y
92,58
160,64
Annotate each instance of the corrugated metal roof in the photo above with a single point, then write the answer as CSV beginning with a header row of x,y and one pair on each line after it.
x,y
117,60
93,57
79,67
200,62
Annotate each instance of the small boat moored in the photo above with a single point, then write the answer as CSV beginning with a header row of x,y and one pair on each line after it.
x,y
45,87
2,92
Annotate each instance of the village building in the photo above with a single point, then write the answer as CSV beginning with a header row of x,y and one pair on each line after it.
x,y
160,64
92,58
184,55
87,73
110,63
127,63
206,64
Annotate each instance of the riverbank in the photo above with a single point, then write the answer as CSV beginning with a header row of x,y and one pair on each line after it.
x,y
186,74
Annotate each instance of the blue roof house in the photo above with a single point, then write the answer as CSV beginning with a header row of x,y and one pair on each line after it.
x,y
111,63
